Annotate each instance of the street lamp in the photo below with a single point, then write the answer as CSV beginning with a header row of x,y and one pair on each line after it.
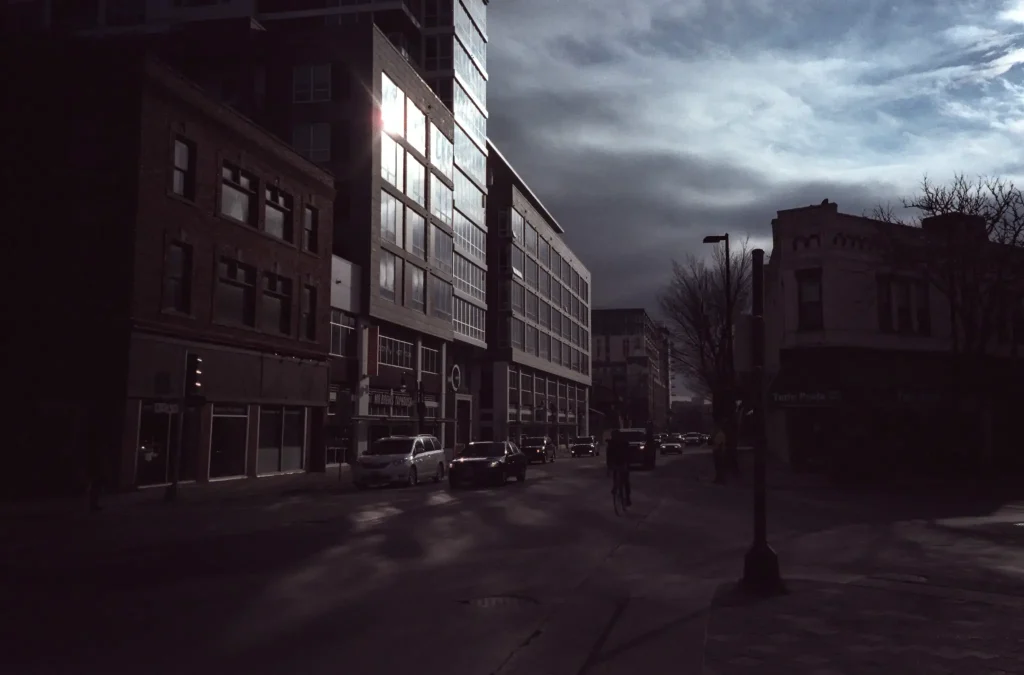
x,y
761,574
729,360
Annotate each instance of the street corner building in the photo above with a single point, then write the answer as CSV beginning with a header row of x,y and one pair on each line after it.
x,y
632,369
860,361
539,381
156,223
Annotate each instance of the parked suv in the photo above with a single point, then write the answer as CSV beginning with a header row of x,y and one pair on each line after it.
x,y
640,452
400,459
539,449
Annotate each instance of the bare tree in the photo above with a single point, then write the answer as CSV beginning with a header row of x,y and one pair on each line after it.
x,y
694,303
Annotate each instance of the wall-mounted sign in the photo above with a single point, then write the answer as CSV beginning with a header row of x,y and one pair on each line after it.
x,y
390,399
455,378
807,397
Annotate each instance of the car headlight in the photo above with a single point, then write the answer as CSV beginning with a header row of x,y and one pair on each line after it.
x,y
495,464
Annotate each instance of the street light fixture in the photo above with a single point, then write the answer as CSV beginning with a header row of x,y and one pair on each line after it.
x,y
729,360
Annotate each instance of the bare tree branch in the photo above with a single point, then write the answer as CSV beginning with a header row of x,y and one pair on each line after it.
x,y
693,303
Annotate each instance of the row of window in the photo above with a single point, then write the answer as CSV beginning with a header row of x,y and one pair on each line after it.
x,y
401,118
469,320
406,284
527,237
242,295
528,304
519,335
559,393
272,210
405,228
399,354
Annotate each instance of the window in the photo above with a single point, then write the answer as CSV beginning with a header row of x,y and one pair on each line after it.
x,y
177,295
810,315
277,216
544,315
276,314
392,227
415,181
469,73
417,289
469,199
430,360
471,238
470,157
395,353
392,107
922,308
555,264
531,272
518,227
312,140
439,51
392,162
311,83
310,229
903,305
469,115
282,438
390,275
440,298
307,319
545,283
469,278
184,182
531,306
518,298
531,240
518,333
443,249
440,200
543,345
415,233
531,340
543,251
566,273
416,131
235,294
238,194
442,154
518,261
468,319
343,334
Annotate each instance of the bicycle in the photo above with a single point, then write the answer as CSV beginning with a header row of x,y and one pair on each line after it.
x,y
619,492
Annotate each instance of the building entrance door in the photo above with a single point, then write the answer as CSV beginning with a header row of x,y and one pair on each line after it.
x,y
158,439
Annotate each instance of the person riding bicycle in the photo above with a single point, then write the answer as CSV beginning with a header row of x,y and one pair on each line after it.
x,y
617,459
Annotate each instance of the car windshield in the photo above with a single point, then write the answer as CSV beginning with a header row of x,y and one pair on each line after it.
x,y
486,449
390,446
583,439
691,435
533,441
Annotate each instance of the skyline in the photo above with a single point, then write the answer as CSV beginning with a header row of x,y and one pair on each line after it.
x,y
673,120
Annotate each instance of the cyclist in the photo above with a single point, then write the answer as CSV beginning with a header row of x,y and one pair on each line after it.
x,y
617,458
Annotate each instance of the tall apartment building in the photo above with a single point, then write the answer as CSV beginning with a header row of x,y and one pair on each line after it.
x,y
182,228
859,348
539,379
631,367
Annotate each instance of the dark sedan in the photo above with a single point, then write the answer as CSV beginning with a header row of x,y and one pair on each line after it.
x,y
487,463
539,449
583,445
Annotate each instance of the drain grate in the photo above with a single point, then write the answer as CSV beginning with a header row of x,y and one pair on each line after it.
x,y
500,602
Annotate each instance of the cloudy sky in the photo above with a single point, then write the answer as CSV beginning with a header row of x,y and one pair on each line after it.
x,y
645,124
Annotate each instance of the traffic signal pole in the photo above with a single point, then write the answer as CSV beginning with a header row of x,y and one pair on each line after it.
x,y
191,387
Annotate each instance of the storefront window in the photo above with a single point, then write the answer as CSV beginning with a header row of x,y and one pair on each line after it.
x,y
282,440
229,436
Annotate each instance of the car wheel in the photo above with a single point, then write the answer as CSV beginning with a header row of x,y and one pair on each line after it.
x,y
413,478
440,473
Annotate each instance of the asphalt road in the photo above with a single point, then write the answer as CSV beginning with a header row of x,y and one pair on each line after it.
x,y
384,581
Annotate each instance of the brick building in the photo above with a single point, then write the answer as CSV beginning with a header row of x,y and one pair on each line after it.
x,y
178,227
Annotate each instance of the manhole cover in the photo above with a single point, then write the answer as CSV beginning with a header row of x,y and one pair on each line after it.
x,y
500,602
908,578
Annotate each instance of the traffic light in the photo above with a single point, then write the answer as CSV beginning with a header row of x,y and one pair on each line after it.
x,y
194,376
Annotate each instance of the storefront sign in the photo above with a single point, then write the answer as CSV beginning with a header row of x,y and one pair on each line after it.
x,y
455,378
389,399
166,408
807,397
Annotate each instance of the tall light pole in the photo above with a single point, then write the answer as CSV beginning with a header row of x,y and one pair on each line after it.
x,y
729,360
761,574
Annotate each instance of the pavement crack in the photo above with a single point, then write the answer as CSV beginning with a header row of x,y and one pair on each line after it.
x,y
595,651
537,632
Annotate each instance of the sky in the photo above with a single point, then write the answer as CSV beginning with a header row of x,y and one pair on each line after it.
x,y
644,125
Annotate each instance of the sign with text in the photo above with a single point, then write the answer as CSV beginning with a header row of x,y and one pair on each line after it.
x,y
829,397
390,399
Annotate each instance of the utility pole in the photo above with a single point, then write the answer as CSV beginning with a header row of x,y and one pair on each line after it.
x,y
761,574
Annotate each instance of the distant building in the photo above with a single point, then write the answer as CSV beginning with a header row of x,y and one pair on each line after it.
x,y
163,224
631,367
858,351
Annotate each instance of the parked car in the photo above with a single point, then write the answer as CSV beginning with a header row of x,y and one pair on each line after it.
x,y
672,446
639,451
539,449
400,459
583,445
487,462
692,439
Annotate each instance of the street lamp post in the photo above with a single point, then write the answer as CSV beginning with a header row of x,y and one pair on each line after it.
x,y
730,364
761,574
